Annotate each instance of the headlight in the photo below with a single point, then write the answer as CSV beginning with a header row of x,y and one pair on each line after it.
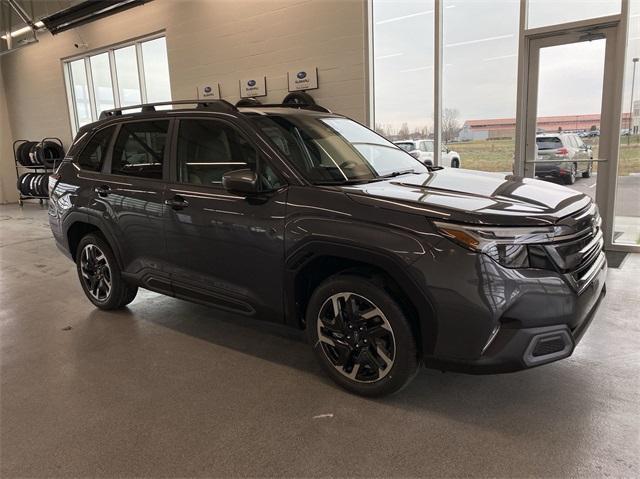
x,y
505,245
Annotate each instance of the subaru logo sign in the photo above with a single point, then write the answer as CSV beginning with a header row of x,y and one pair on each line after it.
x,y
302,75
207,89
251,83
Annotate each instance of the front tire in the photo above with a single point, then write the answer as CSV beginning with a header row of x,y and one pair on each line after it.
x,y
361,336
100,274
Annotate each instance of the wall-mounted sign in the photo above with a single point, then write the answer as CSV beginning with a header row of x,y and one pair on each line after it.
x,y
255,86
303,79
210,91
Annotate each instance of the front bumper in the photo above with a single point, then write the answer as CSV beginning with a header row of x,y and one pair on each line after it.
x,y
505,320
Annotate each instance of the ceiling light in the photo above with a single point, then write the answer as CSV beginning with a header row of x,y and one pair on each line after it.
x,y
22,30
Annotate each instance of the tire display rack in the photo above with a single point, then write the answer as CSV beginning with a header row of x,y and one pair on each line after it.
x,y
34,166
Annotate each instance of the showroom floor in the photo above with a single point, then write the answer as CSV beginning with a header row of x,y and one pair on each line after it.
x,y
168,388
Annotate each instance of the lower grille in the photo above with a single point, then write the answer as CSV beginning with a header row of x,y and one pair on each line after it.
x,y
548,346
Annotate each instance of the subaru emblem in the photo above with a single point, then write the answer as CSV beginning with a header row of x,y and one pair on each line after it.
x,y
251,83
302,75
207,89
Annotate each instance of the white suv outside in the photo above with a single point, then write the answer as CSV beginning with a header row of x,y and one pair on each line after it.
x,y
423,151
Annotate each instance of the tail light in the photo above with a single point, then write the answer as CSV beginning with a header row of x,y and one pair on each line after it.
x,y
53,181
562,151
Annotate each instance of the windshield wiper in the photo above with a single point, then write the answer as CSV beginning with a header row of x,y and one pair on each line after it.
x,y
393,174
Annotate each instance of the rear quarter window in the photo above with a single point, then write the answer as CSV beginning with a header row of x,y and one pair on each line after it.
x,y
93,154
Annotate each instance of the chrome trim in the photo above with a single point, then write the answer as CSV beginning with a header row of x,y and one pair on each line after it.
x,y
585,280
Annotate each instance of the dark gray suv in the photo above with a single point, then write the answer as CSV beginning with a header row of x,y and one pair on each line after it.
x,y
292,214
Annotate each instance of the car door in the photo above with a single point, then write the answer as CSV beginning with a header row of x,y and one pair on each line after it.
x,y
226,249
131,189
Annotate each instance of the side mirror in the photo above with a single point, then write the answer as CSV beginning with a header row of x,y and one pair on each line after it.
x,y
240,181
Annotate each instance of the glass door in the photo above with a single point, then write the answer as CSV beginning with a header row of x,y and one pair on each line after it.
x,y
570,126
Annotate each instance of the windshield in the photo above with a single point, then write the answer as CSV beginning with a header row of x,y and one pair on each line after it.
x,y
336,150
407,146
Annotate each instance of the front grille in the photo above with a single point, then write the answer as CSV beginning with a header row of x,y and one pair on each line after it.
x,y
580,256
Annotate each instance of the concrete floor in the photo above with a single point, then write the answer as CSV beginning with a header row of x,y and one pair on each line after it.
x,y
167,388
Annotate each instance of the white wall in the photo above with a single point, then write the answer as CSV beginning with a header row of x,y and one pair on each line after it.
x,y
214,40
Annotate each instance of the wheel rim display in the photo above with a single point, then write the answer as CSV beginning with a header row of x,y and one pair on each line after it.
x,y
356,337
95,271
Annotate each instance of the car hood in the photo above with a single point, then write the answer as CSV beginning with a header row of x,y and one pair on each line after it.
x,y
468,196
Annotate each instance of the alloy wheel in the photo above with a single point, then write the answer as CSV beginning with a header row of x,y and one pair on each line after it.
x,y
356,337
96,273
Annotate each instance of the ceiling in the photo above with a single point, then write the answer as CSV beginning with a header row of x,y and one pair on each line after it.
x,y
36,9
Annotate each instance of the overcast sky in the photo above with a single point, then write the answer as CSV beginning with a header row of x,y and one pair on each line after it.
x,y
480,58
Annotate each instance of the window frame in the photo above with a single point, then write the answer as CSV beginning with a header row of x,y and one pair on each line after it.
x,y
86,58
238,127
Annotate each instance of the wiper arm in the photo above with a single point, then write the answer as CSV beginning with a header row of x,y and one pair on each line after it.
x,y
393,174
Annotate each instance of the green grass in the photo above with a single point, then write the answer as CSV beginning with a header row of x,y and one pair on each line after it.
x,y
497,155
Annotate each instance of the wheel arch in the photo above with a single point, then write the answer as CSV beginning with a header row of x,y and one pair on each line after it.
x,y
318,260
77,226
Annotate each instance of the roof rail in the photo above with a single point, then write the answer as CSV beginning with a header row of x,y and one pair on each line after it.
x,y
210,105
301,106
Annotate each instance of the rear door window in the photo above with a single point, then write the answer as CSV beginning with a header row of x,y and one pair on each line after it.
x,y
548,142
93,155
406,146
139,149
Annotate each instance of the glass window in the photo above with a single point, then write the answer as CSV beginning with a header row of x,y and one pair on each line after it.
x,y
102,87
406,145
626,225
480,70
156,70
543,13
403,51
335,150
207,149
548,142
128,82
124,87
139,149
93,154
80,89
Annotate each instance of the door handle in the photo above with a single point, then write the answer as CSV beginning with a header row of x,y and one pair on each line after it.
x,y
177,202
102,190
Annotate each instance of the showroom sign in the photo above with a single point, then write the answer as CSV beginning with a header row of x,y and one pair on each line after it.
x,y
210,91
252,87
303,79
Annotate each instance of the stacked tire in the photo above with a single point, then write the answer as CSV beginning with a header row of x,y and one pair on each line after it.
x,y
39,154
33,184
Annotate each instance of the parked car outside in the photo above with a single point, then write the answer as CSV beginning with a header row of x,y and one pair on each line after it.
x,y
563,156
423,151
305,218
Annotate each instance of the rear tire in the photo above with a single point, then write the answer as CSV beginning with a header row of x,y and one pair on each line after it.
x,y
588,172
100,275
455,163
361,336
571,177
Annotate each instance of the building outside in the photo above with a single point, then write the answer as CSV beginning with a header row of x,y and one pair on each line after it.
x,y
505,128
